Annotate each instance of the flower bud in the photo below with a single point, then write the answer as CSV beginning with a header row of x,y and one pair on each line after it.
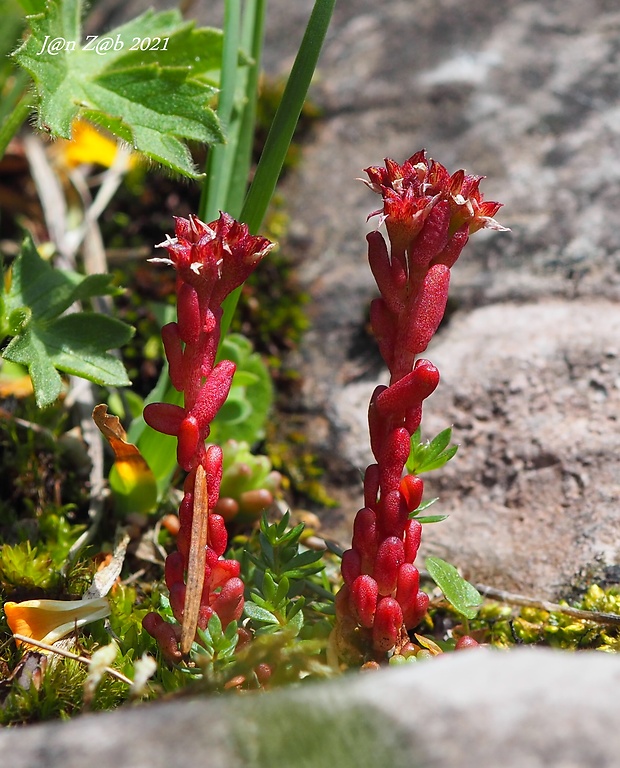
x,y
390,556
393,515
218,536
387,625
412,488
393,457
407,589
174,570
188,437
165,635
351,566
413,537
365,535
364,594
466,642
222,571
371,485
177,600
229,603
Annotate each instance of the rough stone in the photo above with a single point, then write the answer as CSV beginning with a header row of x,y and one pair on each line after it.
x,y
524,92
475,709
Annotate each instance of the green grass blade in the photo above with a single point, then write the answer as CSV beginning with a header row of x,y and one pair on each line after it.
x,y
215,189
281,132
287,116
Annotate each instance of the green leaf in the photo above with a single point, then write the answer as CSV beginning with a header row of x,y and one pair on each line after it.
x,y
462,595
432,518
76,343
256,613
269,588
424,457
152,99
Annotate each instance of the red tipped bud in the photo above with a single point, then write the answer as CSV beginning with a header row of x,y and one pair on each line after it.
x,y
393,515
407,590
412,488
466,642
254,502
390,556
229,603
177,601
165,635
188,436
394,455
387,625
364,594
263,672
413,537
365,535
174,570
371,485
218,536
351,566
222,571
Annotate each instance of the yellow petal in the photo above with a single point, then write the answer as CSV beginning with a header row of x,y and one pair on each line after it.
x,y
131,479
49,620
88,145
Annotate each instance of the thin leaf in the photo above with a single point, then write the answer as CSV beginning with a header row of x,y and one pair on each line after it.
x,y
256,613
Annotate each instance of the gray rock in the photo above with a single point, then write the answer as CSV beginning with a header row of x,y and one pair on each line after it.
x,y
477,709
525,93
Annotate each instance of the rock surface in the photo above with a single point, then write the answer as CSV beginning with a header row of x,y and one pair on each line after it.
x,y
475,709
526,93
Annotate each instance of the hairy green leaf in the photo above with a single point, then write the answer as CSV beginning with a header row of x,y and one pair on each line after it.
x,y
149,82
47,341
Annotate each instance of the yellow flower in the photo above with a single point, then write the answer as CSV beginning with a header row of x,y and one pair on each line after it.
x,y
89,146
49,620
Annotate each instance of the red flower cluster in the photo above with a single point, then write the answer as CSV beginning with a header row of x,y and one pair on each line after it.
x,y
211,260
429,215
